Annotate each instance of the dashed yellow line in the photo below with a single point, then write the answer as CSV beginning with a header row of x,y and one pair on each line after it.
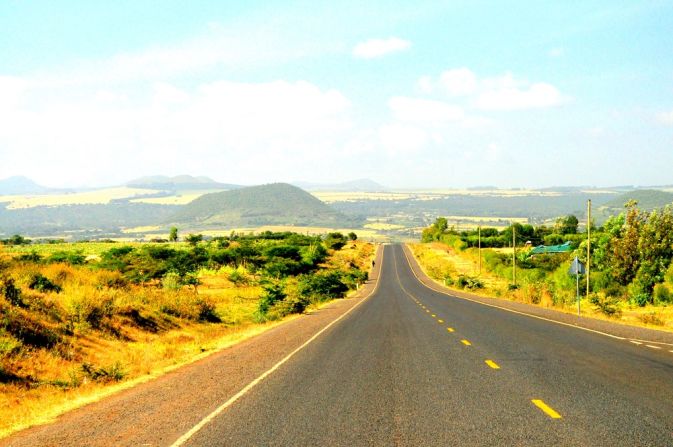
x,y
549,411
434,316
466,342
492,364
427,310
440,321
450,329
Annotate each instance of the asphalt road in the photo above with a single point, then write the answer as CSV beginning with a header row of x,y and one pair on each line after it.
x,y
412,366
409,367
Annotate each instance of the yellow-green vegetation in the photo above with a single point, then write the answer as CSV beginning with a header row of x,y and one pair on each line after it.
x,y
73,329
632,272
98,196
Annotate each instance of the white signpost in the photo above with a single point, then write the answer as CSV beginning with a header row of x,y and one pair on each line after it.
x,y
577,269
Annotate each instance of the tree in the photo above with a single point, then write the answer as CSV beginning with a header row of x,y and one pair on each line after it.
x,y
335,241
352,236
173,235
624,256
567,224
193,239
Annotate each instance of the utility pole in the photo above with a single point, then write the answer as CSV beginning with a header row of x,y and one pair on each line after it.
x,y
588,244
513,254
479,251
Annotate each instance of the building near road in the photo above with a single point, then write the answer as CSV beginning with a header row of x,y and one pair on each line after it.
x,y
551,249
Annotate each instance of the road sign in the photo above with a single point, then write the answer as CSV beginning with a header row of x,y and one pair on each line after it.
x,y
577,268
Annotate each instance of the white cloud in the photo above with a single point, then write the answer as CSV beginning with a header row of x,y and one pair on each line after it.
x,y
374,48
539,95
497,93
217,128
458,82
424,110
665,118
167,93
400,138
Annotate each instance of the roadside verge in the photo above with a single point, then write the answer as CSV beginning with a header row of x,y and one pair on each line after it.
x,y
615,330
160,411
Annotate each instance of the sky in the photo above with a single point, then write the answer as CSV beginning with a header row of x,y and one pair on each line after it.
x,y
441,94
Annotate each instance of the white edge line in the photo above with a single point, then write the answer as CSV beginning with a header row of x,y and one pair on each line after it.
x,y
635,342
504,308
184,438
653,347
652,342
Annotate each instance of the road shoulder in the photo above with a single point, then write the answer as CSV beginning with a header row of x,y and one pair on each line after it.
x,y
617,330
160,411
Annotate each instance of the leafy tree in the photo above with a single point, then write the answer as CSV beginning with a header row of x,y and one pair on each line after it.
x,y
193,239
323,285
655,247
624,257
173,234
274,291
352,236
567,224
335,241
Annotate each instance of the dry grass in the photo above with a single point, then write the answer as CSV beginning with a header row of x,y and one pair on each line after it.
x,y
113,338
98,196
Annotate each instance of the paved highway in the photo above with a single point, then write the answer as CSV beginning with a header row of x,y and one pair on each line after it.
x,y
411,366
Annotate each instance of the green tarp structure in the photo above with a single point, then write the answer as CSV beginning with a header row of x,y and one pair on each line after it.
x,y
544,249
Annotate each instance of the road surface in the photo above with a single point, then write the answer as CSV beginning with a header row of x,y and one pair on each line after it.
x,y
405,366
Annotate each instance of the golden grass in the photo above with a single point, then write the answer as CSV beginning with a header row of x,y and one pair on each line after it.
x,y
437,260
98,196
58,383
22,407
178,199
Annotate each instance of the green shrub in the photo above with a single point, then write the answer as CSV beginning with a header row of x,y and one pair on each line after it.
x,y
238,278
273,292
11,293
605,304
323,285
468,282
67,257
43,284
207,311
112,373
335,241
640,299
662,294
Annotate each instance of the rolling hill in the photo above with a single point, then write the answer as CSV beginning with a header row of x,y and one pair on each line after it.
x,y
20,185
272,204
179,183
648,199
359,185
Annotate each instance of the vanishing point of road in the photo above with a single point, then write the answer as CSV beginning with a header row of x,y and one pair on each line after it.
x,y
403,365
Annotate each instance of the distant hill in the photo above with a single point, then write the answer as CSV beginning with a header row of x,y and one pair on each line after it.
x,y
648,199
360,185
20,185
273,204
179,183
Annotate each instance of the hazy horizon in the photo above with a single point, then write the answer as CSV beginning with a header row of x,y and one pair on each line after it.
x,y
429,95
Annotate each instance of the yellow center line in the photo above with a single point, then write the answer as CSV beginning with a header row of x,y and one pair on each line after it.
x,y
546,408
450,329
427,310
434,316
440,321
466,342
492,364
